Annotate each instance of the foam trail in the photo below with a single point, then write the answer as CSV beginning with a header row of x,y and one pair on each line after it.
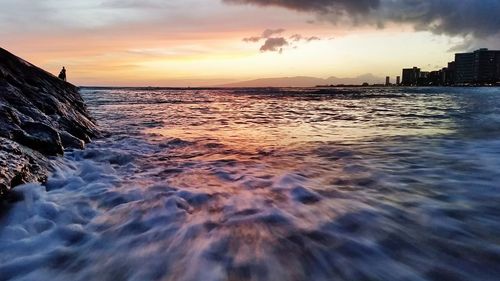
x,y
268,186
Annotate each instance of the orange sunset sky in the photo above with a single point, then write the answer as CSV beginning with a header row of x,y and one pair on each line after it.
x,y
212,42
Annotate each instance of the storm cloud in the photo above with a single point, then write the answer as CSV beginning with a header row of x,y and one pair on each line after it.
x,y
451,17
322,6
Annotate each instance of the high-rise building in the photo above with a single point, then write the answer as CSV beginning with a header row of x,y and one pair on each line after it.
x,y
423,79
435,78
398,80
481,66
464,64
387,81
410,76
449,74
486,66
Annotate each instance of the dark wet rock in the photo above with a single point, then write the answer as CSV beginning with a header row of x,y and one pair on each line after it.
x,y
40,116
70,141
40,137
19,164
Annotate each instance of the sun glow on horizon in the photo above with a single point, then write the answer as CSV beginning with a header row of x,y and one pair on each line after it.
x,y
129,45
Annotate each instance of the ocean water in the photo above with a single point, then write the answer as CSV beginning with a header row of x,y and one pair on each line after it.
x,y
269,184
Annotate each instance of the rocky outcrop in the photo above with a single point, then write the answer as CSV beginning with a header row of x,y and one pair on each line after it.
x,y
19,164
40,116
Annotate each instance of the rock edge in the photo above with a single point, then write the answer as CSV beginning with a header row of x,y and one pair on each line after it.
x,y
40,116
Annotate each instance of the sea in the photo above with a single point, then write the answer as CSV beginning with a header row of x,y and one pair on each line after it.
x,y
319,184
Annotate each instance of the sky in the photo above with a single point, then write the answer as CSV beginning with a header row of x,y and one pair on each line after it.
x,y
213,42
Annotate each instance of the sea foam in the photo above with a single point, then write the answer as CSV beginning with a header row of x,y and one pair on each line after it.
x,y
181,189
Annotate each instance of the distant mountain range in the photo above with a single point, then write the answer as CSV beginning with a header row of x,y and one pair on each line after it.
x,y
306,81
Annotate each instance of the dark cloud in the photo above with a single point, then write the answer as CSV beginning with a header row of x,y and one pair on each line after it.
x,y
270,32
451,17
274,45
470,43
277,44
322,6
477,18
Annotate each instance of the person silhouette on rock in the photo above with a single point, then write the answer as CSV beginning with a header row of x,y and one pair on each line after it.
x,y
62,74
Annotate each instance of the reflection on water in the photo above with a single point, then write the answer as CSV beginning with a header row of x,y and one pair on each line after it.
x,y
270,184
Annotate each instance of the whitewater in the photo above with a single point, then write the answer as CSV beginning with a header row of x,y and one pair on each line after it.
x,y
269,184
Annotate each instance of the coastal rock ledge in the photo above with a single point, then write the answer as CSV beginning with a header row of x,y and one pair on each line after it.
x,y
40,116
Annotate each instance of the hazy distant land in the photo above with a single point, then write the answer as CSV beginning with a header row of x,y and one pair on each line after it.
x,y
306,81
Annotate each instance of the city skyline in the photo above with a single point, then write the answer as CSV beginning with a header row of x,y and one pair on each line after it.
x,y
480,67
204,43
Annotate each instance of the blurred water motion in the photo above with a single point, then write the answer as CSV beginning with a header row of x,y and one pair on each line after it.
x,y
270,184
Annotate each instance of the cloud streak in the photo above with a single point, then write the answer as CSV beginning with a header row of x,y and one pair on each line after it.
x,y
252,39
298,37
451,17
